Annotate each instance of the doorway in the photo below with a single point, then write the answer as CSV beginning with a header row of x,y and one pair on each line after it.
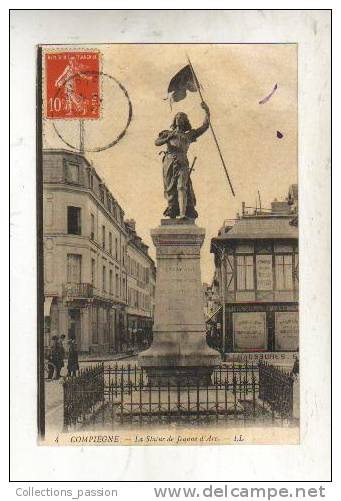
x,y
75,326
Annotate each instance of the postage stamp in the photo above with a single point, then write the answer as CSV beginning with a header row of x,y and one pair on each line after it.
x,y
72,85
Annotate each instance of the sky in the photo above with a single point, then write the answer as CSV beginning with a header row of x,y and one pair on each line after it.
x,y
234,79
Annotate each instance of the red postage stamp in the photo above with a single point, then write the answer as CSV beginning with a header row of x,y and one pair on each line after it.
x,y
72,82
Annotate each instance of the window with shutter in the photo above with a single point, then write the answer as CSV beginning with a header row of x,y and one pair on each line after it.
x,y
74,268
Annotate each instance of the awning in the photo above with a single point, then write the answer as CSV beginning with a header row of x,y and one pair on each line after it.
x,y
217,311
47,306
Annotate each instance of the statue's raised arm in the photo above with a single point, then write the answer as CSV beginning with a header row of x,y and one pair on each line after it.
x,y
195,133
178,187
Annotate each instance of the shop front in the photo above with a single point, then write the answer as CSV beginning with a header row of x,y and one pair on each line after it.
x,y
260,331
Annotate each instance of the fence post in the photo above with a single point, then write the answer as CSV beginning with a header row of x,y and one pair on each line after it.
x,y
140,395
216,402
103,392
115,371
168,397
235,395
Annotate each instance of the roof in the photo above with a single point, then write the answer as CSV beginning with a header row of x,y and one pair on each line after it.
x,y
260,228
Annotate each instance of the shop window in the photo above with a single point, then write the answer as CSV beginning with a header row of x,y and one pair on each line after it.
x,y
74,221
284,271
245,278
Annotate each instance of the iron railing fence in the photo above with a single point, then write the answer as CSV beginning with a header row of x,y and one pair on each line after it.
x,y
131,378
141,401
122,393
83,394
276,389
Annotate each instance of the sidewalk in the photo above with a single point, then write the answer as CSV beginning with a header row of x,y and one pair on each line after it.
x,y
100,357
54,389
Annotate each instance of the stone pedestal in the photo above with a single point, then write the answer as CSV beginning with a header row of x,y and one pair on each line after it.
x,y
179,353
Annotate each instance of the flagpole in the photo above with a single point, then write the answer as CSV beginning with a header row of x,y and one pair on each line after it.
x,y
212,130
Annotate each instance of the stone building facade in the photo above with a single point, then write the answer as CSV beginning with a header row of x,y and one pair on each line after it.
x,y
141,287
86,242
256,259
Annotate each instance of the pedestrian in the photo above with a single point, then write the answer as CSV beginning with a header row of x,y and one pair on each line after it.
x,y
50,366
134,336
62,343
72,359
57,356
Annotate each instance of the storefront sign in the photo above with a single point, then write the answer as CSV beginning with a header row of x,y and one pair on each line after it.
x,y
286,331
282,359
249,331
278,306
264,272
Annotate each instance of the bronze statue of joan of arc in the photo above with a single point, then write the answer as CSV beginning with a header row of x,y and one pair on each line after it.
x,y
178,187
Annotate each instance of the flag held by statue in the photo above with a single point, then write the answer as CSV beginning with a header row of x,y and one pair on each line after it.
x,y
182,82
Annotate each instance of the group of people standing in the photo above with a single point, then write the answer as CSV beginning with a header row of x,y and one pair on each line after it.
x,y
57,354
138,338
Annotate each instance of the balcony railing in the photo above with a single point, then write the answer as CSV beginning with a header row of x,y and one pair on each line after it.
x,y
82,290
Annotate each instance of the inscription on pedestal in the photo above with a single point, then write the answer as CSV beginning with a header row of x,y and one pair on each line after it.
x,y
179,340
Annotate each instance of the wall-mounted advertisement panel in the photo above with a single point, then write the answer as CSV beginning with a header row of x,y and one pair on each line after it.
x,y
249,331
264,272
286,331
